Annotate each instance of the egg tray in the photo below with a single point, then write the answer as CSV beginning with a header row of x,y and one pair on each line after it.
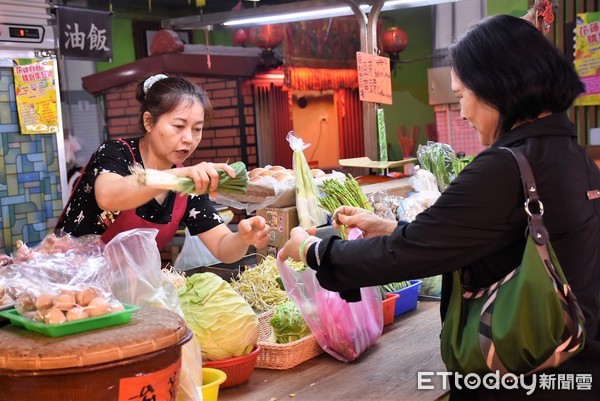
x,y
74,327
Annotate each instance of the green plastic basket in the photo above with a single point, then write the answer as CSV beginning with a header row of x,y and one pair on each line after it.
x,y
74,327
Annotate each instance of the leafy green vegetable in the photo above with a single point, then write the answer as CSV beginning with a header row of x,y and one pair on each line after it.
x,y
391,287
438,158
163,180
288,324
222,320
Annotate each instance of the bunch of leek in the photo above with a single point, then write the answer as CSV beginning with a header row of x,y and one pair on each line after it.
x,y
164,180
309,212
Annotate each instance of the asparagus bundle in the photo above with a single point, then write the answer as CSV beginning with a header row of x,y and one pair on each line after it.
x,y
339,194
163,180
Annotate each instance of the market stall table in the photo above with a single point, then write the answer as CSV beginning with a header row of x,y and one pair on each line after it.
x,y
387,371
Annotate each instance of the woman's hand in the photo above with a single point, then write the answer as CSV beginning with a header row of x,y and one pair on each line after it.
x,y
291,249
371,224
205,175
254,231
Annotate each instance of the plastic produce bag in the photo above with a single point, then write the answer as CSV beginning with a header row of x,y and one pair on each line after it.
x,y
136,278
59,280
343,329
309,212
268,192
193,254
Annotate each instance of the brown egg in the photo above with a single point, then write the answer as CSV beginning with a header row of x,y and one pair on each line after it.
x,y
84,296
67,292
275,168
64,301
116,306
283,176
54,316
255,172
77,313
316,172
267,173
98,306
44,301
27,301
257,178
38,316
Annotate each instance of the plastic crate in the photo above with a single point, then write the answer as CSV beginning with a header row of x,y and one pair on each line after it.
x,y
408,299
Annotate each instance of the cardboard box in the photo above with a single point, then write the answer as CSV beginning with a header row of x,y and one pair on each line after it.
x,y
281,220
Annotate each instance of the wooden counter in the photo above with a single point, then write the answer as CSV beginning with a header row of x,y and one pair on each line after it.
x,y
386,372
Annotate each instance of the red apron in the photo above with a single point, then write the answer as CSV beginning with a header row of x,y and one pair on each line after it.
x,y
128,220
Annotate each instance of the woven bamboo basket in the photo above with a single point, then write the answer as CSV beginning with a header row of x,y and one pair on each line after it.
x,y
283,356
107,364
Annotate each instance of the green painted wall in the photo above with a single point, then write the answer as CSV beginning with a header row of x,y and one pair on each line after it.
x,y
518,8
409,84
123,51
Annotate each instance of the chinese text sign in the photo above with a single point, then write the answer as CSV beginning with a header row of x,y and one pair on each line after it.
x,y
587,57
374,79
35,93
85,34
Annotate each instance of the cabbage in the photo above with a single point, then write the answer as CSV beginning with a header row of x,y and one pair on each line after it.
x,y
221,319
288,323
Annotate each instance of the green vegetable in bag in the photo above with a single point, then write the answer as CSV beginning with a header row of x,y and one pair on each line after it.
x,y
288,324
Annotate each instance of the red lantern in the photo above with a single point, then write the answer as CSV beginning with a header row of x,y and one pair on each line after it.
x,y
394,40
240,37
266,36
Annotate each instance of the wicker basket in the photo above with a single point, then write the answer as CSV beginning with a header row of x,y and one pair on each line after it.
x,y
283,356
238,369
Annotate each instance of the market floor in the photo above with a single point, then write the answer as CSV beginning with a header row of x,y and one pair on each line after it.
x,y
387,371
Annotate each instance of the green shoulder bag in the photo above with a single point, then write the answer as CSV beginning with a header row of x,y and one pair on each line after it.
x,y
526,322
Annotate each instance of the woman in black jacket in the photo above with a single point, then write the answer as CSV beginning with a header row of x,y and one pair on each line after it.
x,y
514,88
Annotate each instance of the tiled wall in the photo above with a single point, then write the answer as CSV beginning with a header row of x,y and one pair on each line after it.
x,y
30,194
455,131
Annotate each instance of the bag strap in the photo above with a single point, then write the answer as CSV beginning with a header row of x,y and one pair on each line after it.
x,y
537,230
574,337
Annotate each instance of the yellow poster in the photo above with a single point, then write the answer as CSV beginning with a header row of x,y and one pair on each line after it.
x,y
35,90
587,57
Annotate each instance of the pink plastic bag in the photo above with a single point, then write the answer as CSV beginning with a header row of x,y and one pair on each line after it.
x,y
343,329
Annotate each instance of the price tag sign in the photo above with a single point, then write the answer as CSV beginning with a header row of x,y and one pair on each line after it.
x,y
374,79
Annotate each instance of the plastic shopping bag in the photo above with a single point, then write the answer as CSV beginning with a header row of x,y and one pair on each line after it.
x,y
343,329
193,254
136,278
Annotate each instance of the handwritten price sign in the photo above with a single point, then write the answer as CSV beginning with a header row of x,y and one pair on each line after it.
x,y
374,80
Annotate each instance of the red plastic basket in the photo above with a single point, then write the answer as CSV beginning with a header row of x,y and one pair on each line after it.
x,y
238,369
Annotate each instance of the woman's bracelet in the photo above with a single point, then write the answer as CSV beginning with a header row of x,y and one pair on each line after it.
x,y
302,249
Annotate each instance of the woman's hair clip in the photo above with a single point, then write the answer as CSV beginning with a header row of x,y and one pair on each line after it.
x,y
152,80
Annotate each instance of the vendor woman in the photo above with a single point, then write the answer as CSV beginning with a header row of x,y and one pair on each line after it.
x,y
108,199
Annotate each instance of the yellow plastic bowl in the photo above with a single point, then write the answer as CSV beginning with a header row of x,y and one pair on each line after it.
x,y
211,380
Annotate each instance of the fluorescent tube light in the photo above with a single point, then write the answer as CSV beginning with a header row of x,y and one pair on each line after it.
x,y
297,16
289,12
